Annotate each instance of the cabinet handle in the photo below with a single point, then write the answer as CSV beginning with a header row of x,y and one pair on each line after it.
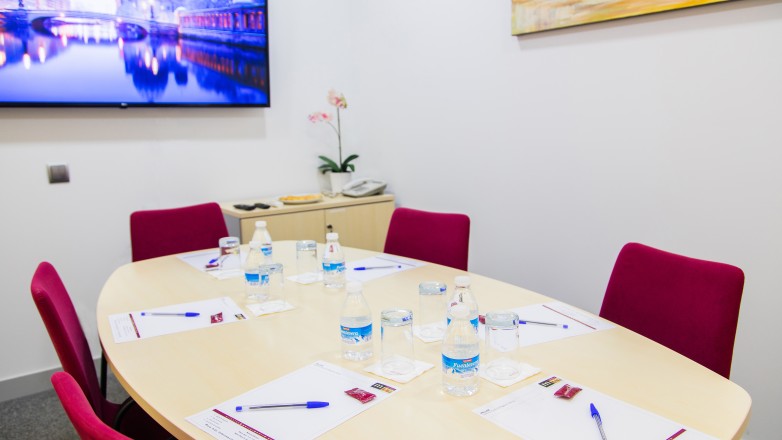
x,y
330,228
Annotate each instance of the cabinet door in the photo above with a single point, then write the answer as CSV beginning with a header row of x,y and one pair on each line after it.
x,y
361,226
308,225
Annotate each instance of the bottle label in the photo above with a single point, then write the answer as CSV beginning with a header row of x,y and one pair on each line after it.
x,y
334,267
356,335
474,323
464,368
255,279
266,250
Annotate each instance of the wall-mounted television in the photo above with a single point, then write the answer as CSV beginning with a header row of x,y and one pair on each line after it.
x,y
127,53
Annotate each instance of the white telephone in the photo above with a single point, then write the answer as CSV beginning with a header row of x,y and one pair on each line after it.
x,y
363,187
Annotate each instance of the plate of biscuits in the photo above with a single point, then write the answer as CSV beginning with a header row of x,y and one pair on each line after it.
x,y
300,199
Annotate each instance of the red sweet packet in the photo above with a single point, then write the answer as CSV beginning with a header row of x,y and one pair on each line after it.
x,y
360,395
567,391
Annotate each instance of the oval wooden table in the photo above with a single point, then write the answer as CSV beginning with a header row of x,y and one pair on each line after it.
x,y
178,375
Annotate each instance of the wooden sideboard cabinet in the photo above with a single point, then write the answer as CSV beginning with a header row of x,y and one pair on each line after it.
x,y
361,222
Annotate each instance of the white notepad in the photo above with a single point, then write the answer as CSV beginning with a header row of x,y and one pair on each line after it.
x,y
320,381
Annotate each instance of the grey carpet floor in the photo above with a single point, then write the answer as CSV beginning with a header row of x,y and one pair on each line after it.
x,y
40,416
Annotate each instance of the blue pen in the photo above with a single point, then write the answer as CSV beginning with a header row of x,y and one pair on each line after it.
x,y
185,314
377,267
598,420
308,405
552,324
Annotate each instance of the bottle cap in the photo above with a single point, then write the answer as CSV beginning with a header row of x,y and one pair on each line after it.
x,y
260,224
353,287
462,281
459,311
332,236
255,244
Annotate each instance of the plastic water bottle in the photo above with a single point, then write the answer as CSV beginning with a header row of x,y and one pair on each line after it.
x,y
462,294
253,285
461,354
355,323
262,235
333,262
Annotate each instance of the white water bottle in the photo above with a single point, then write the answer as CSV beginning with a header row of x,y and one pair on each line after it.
x,y
461,354
462,294
252,277
333,262
262,235
355,324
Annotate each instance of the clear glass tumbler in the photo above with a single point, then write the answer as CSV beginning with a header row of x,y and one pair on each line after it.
x,y
230,258
272,280
396,340
307,263
502,345
431,309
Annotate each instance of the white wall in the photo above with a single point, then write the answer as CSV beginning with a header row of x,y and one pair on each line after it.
x,y
561,146
126,160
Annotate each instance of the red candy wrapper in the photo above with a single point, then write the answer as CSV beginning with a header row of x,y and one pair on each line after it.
x,y
567,391
360,395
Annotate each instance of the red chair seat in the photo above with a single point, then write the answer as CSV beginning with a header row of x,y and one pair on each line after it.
x,y
61,321
689,305
435,237
156,233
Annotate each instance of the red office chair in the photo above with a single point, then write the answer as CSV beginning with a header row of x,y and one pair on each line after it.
x,y
88,425
430,236
689,305
156,233
55,306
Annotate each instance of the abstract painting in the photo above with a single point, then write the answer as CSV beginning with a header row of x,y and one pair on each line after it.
x,y
539,15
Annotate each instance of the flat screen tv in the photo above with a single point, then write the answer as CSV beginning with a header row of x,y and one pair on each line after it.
x,y
127,53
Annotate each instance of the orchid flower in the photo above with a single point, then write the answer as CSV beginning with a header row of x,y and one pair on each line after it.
x,y
339,102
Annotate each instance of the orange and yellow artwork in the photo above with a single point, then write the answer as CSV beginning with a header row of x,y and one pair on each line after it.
x,y
539,15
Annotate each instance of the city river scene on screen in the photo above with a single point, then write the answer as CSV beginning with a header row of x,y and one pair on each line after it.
x,y
134,52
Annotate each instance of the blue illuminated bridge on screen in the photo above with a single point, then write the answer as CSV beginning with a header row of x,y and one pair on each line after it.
x,y
139,52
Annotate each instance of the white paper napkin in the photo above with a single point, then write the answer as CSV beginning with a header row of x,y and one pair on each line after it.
x,y
417,333
307,278
269,307
420,368
527,370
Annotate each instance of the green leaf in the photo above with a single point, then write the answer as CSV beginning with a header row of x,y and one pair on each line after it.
x,y
330,165
346,165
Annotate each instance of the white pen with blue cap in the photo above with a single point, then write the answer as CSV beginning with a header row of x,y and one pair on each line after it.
x,y
598,420
550,324
377,267
308,405
184,314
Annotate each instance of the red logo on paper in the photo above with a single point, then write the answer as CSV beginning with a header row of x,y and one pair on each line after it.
x,y
217,318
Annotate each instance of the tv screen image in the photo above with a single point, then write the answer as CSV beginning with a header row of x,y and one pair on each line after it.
x,y
134,53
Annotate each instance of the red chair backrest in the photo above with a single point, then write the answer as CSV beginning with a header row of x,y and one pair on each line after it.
x,y
88,425
435,237
61,321
156,233
689,305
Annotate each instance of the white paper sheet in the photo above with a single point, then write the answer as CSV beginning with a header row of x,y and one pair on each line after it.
x,y
534,413
133,326
578,323
320,381
398,264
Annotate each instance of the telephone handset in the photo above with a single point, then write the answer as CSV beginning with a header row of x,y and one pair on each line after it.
x,y
363,187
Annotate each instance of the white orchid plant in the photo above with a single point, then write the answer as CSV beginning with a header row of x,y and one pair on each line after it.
x,y
342,166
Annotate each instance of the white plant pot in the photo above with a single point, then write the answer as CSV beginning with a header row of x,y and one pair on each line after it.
x,y
338,180
324,182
